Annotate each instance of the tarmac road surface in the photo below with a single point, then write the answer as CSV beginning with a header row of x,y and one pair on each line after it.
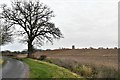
x,y
14,69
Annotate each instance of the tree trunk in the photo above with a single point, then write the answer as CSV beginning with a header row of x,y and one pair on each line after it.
x,y
30,49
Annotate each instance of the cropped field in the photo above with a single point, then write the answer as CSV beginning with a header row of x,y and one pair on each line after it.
x,y
95,63
97,57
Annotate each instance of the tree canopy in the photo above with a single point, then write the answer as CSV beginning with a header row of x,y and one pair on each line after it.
x,y
35,20
5,34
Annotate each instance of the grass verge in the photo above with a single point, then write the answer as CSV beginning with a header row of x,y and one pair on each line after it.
x,y
1,61
41,69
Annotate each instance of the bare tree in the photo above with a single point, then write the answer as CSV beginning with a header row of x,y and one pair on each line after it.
x,y
35,20
5,34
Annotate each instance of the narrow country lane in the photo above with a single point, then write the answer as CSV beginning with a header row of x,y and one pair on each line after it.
x,y
14,69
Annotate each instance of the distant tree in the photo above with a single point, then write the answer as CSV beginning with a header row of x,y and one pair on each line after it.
x,y
107,48
5,34
73,46
100,48
35,20
91,48
6,51
115,48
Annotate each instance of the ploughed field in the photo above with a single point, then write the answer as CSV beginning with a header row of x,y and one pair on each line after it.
x,y
96,57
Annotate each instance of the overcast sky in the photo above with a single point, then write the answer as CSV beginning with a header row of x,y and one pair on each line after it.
x,y
84,23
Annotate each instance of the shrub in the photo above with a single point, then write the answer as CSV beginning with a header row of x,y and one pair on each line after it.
x,y
42,57
84,70
49,60
104,72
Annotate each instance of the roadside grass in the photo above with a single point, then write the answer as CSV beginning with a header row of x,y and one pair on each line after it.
x,y
41,69
1,61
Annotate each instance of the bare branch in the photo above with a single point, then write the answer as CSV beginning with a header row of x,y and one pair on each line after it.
x,y
34,18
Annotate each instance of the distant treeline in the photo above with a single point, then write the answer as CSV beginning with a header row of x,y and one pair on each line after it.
x,y
35,50
89,48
